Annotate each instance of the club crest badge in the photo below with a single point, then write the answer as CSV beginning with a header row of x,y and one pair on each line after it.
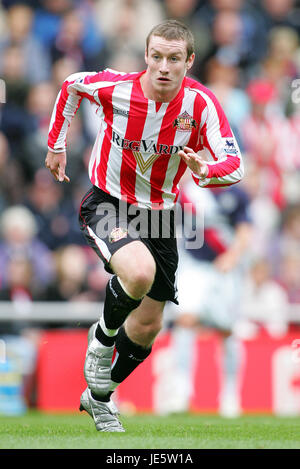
x,y
184,122
117,234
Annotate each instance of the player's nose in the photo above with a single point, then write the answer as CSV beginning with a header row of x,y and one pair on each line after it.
x,y
164,67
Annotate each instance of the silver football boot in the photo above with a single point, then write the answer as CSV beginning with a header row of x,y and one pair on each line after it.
x,y
97,366
104,414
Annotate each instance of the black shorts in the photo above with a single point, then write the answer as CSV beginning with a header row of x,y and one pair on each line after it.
x,y
108,224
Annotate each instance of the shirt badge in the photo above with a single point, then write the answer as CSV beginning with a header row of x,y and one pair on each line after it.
x,y
230,147
184,122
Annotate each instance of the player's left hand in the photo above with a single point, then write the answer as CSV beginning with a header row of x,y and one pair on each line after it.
x,y
56,163
196,164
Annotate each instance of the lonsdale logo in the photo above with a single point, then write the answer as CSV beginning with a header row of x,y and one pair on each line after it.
x,y
140,147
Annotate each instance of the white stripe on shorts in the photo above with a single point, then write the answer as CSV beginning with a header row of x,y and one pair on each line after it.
x,y
100,244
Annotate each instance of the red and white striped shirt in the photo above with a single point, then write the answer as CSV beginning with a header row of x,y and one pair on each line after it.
x,y
135,155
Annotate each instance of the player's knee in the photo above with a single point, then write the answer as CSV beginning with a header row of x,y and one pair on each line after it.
x,y
135,266
140,279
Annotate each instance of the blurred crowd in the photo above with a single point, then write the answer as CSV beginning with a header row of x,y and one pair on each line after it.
x,y
247,53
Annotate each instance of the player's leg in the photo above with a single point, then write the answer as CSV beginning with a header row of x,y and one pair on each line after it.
x,y
139,267
134,269
139,274
134,339
143,325
106,334
104,223
132,346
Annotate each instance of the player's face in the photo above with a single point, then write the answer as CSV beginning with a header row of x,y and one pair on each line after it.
x,y
167,65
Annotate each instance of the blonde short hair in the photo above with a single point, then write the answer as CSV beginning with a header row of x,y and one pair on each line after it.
x,y
173,30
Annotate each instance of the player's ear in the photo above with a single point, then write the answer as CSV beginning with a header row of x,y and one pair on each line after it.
x,y
190,61
146,55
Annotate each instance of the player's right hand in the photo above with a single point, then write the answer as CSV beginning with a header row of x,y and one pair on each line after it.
x,y
56,163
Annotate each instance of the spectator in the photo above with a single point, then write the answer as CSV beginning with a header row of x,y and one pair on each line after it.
x,y
97,279
4,155
3,27
280,66
289,277
70,282
281,13
235,33
264,304
35,59
71,42
210,282
286,241
55,216
11,176
20,339
14,118
40,100
283,47
19,230
224,80
20,288
125,32
264,133
62,68
47,20
264,212
291,187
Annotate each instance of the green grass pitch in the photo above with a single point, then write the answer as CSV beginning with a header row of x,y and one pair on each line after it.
x,y
36,430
